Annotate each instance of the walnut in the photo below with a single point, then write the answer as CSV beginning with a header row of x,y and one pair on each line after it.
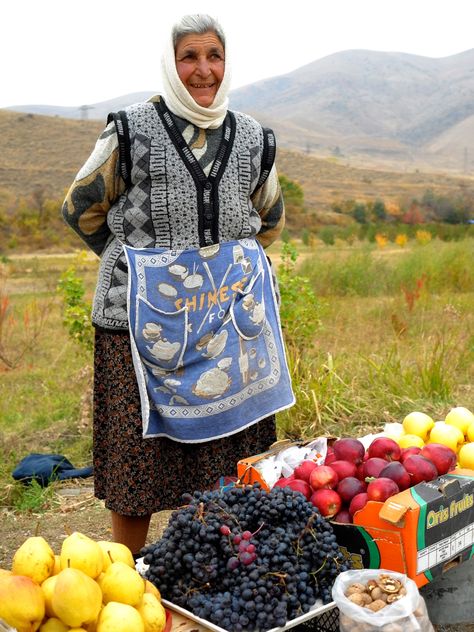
x,y
378,593
358,598
376,605
355,588
371,584
392,598
389,584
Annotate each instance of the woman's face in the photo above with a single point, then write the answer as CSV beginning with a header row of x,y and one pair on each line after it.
x,y
200,63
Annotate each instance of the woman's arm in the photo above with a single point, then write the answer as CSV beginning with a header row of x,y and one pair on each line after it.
x,y
268,200
96,187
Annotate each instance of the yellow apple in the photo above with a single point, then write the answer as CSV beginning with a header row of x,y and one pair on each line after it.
x,y
410,440
35,559
466,456
470,432
419,424
447,435
151,588
460,417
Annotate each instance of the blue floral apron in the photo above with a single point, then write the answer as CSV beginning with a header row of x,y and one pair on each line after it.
x,y
206,340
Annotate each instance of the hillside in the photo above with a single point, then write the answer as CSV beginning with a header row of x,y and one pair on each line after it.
x,y
48,151
370,108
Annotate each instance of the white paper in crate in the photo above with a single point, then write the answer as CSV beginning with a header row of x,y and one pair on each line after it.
x,y
284,463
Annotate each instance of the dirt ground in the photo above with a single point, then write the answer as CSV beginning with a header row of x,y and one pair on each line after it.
x,y
76,509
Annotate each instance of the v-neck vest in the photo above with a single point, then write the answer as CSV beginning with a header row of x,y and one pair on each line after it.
x,y
170,202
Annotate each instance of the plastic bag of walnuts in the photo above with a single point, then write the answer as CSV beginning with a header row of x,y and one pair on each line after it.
x,y
376,600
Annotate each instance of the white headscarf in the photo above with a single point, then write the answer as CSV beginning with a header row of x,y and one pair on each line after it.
x,y
181,103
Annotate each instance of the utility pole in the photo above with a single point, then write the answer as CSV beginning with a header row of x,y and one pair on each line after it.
x,y
84,111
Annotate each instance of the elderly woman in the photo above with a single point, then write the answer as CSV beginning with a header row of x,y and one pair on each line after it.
x,y
186,189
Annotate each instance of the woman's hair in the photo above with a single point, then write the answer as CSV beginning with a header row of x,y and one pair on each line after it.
x,y
198,23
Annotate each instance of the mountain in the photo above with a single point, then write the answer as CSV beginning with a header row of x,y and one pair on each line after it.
x,y
386,106
361,106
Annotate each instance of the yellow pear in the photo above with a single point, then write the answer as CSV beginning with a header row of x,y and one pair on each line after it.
x,y
151,588
48,589
4,572
81,552
115,552
77,598
123,584
54,625
35,559
152,613
120,617
21,602
57,565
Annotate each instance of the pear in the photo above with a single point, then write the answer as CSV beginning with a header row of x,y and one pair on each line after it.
x,y
81,552
48,589
120,617
57,565
151,588
77,598
54,625
115,552
152,613
21,602
123,584
35,559
4,572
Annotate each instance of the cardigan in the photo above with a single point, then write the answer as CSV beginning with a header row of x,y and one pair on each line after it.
x,y
165,204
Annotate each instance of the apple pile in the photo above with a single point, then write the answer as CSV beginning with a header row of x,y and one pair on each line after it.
x,y
352,475
90,587
456,431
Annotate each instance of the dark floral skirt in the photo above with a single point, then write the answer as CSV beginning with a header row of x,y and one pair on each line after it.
x,y
137,476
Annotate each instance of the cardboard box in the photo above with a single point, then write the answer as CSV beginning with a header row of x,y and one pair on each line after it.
x,y
422,531
248,474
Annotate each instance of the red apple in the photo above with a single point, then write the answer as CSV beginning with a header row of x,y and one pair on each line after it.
x,y
298,485
304,469
360,472
349,450
344,469
343,516
384,448
420,468
330,456
358,502
350,487
397,473
381,489
327,501
373,466
283,482
441,455
323,477
408,451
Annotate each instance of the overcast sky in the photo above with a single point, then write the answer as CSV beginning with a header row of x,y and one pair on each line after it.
x,y
64,52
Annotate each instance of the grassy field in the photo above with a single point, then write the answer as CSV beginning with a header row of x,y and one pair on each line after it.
x,y
394,332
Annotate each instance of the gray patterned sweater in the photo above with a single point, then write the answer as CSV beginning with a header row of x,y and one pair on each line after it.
x,y
188,187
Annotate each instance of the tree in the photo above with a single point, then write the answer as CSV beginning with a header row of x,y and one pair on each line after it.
x,y
359,213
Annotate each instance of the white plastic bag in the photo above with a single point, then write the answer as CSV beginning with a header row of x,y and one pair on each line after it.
x,y
408,614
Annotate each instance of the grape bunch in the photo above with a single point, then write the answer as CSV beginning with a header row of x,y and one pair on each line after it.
x,y
246,559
